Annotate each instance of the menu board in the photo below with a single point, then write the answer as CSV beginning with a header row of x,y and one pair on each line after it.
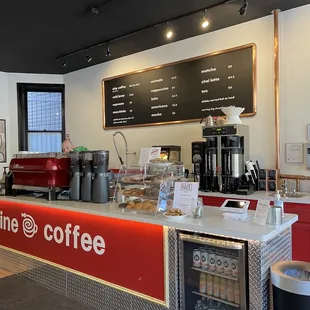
x,y
184,91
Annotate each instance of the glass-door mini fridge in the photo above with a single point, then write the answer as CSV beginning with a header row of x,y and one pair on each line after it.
x,y
213,273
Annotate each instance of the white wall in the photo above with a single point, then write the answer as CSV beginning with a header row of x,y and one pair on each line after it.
x,y
295,82
84,95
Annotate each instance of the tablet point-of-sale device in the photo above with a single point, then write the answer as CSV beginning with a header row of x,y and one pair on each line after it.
x,y
235,205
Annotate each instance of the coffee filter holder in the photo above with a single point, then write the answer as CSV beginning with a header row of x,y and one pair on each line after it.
x,y
232,114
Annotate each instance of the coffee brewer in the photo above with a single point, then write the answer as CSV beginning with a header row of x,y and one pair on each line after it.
x,y
86,187
101,183
198,160
76,176
227,150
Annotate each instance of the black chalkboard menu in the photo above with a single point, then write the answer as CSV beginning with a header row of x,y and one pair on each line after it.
x,y
184,91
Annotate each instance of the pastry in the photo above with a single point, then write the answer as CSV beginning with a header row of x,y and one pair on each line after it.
x,y
131,205
174,212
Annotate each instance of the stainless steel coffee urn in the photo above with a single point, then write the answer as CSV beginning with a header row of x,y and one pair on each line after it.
x,y
87,162
76,176
226,152
101,183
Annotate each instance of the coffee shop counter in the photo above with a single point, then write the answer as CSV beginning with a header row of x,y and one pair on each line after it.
x,y
296,205
112,259
210,197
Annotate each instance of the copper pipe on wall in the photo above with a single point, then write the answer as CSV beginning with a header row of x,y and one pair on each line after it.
x,y
276,84
297,179
294,177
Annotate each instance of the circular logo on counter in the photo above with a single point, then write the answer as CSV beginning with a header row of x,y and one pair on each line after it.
x,y
29,225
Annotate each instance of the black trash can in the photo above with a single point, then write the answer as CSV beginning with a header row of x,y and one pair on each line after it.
x,y
291,285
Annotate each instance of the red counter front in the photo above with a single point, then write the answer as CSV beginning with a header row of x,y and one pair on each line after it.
x,y
120,252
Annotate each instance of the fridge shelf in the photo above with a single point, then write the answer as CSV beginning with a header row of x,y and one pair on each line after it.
x,y
217,299
216,274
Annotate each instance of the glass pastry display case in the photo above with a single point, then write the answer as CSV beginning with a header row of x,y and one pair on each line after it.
x,y
212,273
147,189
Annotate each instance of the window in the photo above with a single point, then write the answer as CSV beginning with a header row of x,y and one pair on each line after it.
x,y
41,117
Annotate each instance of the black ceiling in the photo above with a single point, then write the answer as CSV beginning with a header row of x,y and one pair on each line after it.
x,y
34,33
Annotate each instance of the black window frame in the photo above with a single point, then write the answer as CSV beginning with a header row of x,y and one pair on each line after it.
x,y
22,107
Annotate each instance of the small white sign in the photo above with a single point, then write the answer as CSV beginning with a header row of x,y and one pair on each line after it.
x,y
184,193
148,154
261,212
294,153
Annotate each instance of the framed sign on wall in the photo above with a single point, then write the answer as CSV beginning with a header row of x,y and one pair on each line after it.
x,y
183,91
2,141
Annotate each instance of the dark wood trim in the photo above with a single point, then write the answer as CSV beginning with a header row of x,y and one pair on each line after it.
x,y
22,104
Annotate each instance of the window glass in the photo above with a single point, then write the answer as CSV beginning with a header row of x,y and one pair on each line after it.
x,y
44,111
44,142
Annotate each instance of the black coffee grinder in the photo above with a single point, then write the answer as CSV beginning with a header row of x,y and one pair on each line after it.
x,y
101,183
76,176
87,165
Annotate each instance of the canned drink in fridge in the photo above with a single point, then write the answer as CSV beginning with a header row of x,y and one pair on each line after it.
x,y
227,266
197,258
235,267
212,261
210,284
203,283
230,291
223,288
216,286
204,259
219,263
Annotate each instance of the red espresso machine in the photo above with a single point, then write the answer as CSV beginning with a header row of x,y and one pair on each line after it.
x,y
41,172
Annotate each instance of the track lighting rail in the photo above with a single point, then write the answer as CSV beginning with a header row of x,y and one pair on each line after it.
x,y
85,50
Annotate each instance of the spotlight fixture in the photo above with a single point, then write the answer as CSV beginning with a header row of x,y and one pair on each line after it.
x,y
64,62
204,21
244,8
108,51
168,32
87,57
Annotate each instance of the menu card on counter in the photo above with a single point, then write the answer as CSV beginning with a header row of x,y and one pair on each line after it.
x,y
184,193
148,154
261,212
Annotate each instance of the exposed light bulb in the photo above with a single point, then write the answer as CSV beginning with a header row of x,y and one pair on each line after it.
x,y
204,22
169,33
